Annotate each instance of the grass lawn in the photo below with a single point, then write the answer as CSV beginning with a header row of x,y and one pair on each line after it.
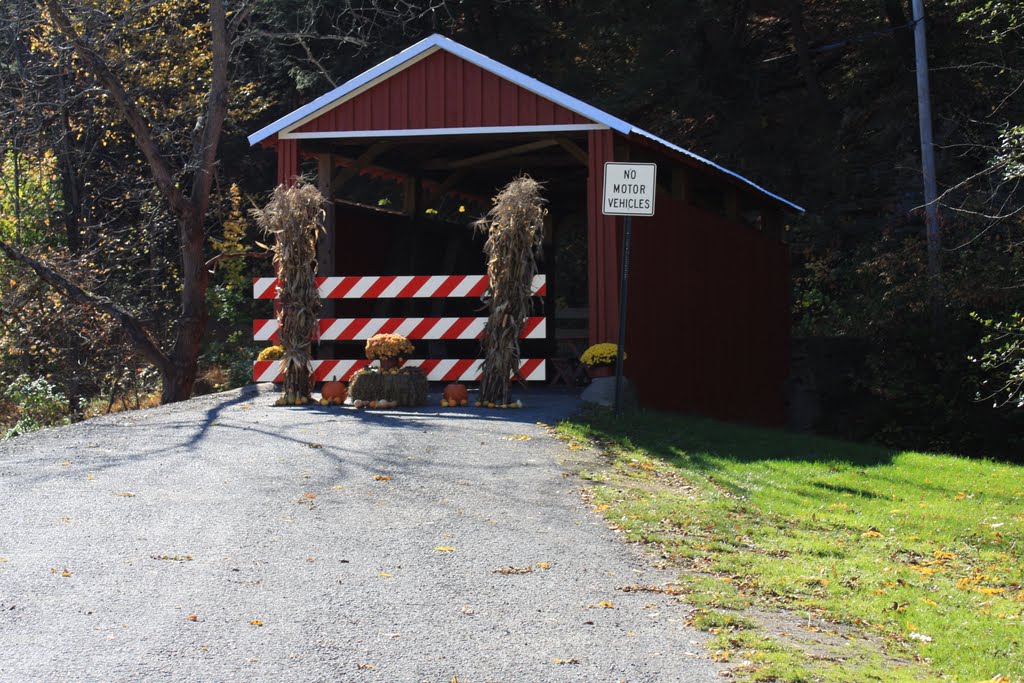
x,y
912,562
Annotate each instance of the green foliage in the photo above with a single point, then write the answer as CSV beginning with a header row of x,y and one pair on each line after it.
x,y
38,404
232,242
1010,157
882,543
1003,359
998,20
28,190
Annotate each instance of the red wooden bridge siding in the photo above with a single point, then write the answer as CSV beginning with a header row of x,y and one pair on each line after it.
x,y
442,91
708,316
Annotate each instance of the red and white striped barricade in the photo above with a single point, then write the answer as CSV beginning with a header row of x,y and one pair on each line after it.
x,y
463,370
395,286
399,287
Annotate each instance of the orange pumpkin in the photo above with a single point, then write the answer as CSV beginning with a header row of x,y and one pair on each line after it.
x,y
456,393
334,391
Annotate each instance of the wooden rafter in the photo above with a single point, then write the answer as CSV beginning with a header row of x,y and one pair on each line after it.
x,y
450,182
574,150
362,161
489,156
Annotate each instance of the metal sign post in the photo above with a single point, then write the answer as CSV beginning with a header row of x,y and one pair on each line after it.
x,y
628,191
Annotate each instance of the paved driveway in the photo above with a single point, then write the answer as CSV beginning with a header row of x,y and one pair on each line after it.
x,y
223,539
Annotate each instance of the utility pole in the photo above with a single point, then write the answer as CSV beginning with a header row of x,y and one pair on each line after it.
x,y
924,117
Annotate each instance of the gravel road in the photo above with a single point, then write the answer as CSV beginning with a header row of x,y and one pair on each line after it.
x,y
223,539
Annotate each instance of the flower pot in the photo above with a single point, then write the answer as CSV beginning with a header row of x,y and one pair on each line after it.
x,y
600,371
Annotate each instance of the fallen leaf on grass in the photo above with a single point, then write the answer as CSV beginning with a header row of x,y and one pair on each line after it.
x,y
667,590
64,573
543,565
173,558
445,549
929,602
604,604
571,660
518,437
392,635
871,533
382,477
314,445
366,666
125,494
385,575
192,617
309,496
256,622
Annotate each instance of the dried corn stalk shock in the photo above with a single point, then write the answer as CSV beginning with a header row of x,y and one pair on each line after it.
x,y
295,217
515,230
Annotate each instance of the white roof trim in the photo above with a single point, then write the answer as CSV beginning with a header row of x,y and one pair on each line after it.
x,y
357,90
410,54
413,54
723,169
422,132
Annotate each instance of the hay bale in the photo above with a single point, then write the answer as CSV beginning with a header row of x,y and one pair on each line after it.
x,y
408,387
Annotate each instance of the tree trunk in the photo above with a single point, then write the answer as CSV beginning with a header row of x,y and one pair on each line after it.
x,y
179,375
70,181
903,34
803,51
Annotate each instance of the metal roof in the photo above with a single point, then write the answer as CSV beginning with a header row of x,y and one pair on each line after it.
x,y
436,42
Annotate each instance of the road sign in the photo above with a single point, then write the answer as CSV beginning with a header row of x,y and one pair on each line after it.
x,y
628,189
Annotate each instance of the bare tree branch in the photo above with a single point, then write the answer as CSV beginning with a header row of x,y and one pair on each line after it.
x,y
126,105
139,335
239,254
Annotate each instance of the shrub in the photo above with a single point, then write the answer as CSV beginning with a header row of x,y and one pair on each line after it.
x,y
38,403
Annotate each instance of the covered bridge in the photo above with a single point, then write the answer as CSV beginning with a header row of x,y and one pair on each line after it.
x,y
410,152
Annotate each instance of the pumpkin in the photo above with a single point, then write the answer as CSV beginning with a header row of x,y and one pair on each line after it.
x,y
334,391
456,394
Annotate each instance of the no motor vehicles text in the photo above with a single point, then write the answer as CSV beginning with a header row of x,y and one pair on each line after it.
x,y
629,189
628,203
